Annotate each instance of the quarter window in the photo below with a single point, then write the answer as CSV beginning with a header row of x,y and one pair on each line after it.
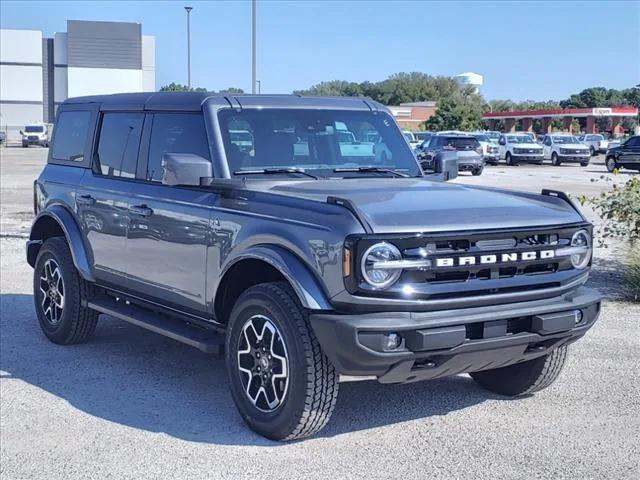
x,y
71,135
175,133
119,142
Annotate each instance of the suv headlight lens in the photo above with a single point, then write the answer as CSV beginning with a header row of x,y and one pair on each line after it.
x,y
376,268
581,242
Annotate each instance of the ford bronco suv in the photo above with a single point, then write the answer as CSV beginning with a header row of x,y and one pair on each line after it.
x,y
302,264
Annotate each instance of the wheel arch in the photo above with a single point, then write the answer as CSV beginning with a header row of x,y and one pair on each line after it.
x,y
267,263
57,221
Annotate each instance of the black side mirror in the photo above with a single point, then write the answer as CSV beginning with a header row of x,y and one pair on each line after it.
x,y
185,169
446,165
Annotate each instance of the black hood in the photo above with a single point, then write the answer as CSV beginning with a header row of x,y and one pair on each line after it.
x,y
393,205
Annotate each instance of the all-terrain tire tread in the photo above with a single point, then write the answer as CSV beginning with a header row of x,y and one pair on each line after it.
x,y
322,379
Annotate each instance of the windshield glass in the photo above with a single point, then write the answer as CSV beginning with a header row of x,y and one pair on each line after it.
x,y
422,136
519,139
316,141
565,139
482,138
34,129
408,136
461,143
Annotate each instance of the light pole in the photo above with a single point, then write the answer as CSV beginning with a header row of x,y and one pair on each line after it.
x,y
253,46
259,86
188,9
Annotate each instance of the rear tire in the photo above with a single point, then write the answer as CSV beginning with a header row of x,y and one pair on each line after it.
x,y
611,164
523,378
555,160
59,292
299,393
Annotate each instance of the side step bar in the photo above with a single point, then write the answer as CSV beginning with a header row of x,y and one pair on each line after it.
x,y
205,340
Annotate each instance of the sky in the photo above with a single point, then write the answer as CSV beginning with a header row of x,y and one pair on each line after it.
x,y
525,50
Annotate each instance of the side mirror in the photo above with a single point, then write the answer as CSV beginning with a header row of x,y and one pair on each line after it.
x,y
184,169
21,132
446,165
502,141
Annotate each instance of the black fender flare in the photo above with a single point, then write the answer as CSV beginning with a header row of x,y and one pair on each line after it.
x,y
302,280
82,257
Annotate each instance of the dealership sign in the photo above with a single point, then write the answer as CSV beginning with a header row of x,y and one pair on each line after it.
x,y
600,112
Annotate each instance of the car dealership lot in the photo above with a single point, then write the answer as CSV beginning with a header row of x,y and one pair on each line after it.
x,y
131,404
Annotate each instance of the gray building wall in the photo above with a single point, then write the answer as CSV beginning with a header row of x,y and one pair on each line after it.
x,y
104,45
48,96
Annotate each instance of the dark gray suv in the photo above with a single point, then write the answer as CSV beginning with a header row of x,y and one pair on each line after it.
x,y
246,226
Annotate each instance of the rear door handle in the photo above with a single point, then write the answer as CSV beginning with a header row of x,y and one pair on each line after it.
x,y
141,210
85,200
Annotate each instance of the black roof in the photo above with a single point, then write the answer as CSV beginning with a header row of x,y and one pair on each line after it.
x,y
193,101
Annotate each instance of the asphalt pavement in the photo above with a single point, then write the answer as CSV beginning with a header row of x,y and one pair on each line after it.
x,y
130,404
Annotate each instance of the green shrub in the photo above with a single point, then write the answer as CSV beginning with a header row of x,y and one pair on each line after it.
x,y
619,209
632,274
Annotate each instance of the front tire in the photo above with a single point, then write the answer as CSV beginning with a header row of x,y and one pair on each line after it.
x,y
592,151
476,172
509,159
611,164
523,378
58,293
555,160
283,385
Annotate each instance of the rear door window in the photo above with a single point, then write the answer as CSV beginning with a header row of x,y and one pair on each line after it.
x,y
117,154
175,133
71,132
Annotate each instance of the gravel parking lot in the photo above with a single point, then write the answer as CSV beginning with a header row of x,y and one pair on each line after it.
x,y
131,404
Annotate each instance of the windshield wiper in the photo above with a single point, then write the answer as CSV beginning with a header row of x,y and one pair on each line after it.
x,y
273,171
370,170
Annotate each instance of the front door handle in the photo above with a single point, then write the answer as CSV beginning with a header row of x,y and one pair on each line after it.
x,y
141,210
85,200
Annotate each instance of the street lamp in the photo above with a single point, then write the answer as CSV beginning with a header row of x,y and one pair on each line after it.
x,y
259,86
253,46
188,9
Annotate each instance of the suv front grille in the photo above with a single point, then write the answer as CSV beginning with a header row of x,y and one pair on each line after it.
x,y
478,263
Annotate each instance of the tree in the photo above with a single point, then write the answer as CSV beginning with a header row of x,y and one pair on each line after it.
x,y
178,87
457,113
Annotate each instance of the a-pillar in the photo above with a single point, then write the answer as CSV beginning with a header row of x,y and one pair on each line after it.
x,y
591,125
546,124
509,124
567,123
527,124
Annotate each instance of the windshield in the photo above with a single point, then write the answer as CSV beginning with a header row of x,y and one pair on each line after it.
x,y
565,139
595,137
519,139
482,138
422,136
461,143
34,129
315,141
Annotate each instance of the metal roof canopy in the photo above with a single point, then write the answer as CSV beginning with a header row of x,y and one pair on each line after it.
x,y
567,112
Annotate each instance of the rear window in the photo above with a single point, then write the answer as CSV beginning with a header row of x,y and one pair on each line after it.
x,y
461,143
71,135
34,129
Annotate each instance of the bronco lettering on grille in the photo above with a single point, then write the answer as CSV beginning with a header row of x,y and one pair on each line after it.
x,y
495,258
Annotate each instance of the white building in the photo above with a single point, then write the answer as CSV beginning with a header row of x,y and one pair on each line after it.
x,y
90,58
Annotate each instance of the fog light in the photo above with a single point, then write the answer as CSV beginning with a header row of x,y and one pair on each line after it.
x,y
578,317
392,341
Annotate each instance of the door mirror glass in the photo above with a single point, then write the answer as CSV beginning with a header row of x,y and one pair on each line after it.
x,y
185,169
502,141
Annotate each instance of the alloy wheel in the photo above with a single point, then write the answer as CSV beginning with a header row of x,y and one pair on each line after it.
x,y
52,289
263,363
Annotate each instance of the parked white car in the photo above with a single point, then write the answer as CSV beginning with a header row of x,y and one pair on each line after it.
x,y
35,134
519,147
565,148
596,142
490,150
411,138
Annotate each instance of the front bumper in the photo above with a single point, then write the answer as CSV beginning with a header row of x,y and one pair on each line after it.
x,y
449,342
492,157
522,157
568,157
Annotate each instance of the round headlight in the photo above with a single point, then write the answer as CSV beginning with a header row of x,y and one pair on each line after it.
x,y
374,270
582,240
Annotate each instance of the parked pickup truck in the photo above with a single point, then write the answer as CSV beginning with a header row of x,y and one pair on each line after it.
x,y
303,270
